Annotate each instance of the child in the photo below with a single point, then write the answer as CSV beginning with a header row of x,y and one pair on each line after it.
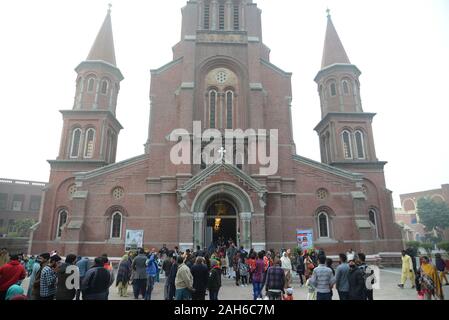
x,y
289,296
244,272
311,293
224,265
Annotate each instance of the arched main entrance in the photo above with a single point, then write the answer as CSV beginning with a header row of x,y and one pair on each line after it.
x,y
222,210
221,221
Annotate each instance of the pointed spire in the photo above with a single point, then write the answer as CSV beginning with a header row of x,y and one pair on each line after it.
x,y
103,47
334,52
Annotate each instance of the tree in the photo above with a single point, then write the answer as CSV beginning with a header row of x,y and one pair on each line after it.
x,y
443,246
433,214
414,246
428,247
22,228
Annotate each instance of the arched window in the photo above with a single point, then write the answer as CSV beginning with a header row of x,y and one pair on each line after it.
x,y
75,146
373,218
333,88
345,87
104,86
347,146
62,220
221,17
229,109
236,16
212,107
206,16
323,225
116,225
89,145
91,85
360,144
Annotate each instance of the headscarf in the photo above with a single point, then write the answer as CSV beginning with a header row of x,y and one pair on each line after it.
x,y
13,291
125,257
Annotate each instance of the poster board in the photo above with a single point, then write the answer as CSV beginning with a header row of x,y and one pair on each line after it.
x,y
133,240
305,239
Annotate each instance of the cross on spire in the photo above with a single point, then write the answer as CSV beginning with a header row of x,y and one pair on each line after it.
x,y
328,11
110,7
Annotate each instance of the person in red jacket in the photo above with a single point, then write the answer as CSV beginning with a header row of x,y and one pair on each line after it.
x,y
10,274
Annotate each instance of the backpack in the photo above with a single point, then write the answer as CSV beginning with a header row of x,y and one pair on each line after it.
x,y
367,273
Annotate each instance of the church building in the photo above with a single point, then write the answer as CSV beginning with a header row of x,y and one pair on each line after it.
x,y
221,76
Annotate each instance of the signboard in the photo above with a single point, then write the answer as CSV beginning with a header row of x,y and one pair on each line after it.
x,y
134,239
305,239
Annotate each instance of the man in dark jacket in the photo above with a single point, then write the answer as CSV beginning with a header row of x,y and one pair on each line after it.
x,y
200,274
167,266
214,282
368,276
97,281
62,291
356,281
139,274
171,279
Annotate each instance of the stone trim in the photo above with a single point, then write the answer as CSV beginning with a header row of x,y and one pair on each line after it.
x,y
187,85
358,115
329,169
110,168
197,180
337,67
256,86
90,65
275,68
253,39
240,196
108,113
166,66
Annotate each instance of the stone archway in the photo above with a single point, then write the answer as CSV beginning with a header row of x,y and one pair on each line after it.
x,y
234,195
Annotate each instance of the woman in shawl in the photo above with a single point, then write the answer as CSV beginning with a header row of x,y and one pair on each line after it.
x,y
429,281
123,276
15,292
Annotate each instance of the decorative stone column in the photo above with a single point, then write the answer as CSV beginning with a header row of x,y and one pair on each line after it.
x,y
228,15
245,231
214,15
200,14
97,92
198,220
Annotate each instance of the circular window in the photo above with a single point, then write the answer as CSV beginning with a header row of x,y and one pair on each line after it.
x,y
71,191
321,194
118,193
221,77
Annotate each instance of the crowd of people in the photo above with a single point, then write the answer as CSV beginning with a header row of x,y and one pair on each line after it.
x,y
194,275
425,276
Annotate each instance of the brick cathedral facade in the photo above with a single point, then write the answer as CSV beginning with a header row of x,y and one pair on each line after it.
x,y
221,75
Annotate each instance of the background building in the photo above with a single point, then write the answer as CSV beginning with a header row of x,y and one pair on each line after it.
x,y
20,203
407,215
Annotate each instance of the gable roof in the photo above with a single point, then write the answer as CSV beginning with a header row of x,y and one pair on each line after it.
x,y
214,169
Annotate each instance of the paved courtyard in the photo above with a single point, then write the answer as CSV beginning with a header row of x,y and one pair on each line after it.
x,y
389,278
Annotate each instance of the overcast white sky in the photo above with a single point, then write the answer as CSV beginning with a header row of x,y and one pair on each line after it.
x,y
401,47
